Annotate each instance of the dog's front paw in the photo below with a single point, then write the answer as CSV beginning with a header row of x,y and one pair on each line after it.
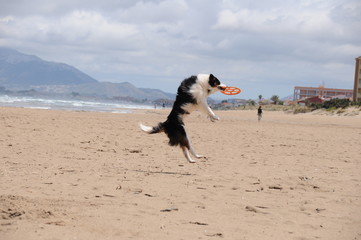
x,y
214,118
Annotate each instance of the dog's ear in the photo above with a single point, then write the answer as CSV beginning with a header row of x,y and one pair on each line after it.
x,y
213,81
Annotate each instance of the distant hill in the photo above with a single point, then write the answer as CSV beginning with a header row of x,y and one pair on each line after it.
x,y
107,90
20,71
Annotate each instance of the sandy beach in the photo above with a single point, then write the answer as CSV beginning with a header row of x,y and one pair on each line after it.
x,y
88,175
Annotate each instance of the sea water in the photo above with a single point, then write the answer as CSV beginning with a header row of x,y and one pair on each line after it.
x,y
71,105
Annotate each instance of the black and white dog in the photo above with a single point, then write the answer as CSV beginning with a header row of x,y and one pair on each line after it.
x,y
192,95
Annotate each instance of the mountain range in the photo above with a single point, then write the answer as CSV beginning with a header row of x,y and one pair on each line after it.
x,y
19,71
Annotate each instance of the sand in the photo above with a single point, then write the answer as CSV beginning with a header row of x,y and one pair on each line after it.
x,y
86,175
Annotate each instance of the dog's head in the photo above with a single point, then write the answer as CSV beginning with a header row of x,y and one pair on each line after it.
x,y
215,84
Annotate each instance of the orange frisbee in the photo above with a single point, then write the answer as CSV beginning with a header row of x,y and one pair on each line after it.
x,y
231,91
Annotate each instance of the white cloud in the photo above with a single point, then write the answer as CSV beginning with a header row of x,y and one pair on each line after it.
x,y
78,27
279,21
168,11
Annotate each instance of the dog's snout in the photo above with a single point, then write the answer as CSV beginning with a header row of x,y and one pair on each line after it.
x,y
222,87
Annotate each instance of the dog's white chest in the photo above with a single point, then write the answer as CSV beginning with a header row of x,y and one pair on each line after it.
x,y
190,107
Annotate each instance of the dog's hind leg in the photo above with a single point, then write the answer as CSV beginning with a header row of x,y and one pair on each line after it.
x,y
185,144
191,149
186,154
194,152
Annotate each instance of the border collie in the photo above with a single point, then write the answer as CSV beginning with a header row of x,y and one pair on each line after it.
x,y
192,95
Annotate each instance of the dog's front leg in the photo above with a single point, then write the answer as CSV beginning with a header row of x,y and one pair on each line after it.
x,y
206,109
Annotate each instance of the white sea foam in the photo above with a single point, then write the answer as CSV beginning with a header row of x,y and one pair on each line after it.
x,y
72,105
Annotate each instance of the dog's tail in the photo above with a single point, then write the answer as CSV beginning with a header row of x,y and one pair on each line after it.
x,y
156,129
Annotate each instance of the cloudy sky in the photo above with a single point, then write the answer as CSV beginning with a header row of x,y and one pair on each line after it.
x,y
265,47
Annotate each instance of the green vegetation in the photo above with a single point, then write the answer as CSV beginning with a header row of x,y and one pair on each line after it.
x,y
301,109
338,106
334,104
275,99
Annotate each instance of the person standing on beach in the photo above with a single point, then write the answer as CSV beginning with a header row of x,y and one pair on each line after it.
x,y
259,113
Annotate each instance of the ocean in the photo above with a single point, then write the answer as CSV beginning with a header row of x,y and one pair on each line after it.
x,y
70,105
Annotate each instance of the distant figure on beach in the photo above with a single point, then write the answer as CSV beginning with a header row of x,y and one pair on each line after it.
x,y
259,113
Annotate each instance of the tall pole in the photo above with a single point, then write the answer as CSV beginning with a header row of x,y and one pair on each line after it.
x,y
357,84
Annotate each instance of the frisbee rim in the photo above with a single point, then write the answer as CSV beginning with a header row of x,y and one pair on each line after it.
x,y
231,91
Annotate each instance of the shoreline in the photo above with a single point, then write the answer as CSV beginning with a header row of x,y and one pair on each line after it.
x,y
70,104
127,107
350,111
